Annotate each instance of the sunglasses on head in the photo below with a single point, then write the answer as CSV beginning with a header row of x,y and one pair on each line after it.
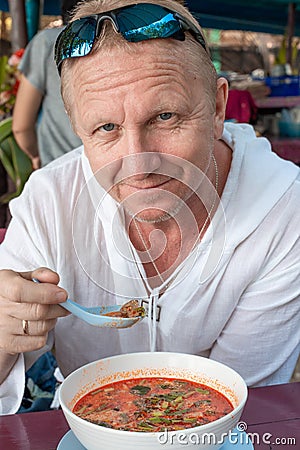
x,y
137,22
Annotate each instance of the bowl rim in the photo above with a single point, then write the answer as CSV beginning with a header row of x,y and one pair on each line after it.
x,y
236,410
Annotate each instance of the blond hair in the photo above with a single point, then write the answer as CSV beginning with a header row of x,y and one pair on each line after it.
x,y
109,39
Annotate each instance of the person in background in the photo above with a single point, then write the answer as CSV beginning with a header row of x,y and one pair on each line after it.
x,y
40,124
163,202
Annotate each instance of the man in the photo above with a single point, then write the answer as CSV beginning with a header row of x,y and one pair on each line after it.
x,y
137,212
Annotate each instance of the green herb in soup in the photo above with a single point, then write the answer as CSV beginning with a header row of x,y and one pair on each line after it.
x,y
152,404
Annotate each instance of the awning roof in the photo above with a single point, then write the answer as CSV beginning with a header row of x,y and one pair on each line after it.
x,y
269,16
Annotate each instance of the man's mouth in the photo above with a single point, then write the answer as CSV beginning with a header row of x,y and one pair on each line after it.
x,y
146,184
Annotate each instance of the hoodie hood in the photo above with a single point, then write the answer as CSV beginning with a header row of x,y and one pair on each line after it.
x,y
257,180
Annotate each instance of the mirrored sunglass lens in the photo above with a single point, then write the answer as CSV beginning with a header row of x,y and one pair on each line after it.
x,y
143,22
77,39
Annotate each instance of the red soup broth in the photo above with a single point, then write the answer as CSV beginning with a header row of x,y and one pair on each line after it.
x,y
152,404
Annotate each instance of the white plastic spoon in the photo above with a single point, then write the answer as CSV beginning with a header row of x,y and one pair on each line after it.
x,y
95,315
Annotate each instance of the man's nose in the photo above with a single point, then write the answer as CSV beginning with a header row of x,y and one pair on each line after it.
x,y
142,157
140,165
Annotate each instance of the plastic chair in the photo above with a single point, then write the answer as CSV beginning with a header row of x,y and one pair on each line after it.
x,y
16,163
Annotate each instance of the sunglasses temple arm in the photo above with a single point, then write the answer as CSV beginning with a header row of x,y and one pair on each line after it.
x,y
191,28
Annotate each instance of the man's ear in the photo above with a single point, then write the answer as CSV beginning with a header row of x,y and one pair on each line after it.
x,y
221,100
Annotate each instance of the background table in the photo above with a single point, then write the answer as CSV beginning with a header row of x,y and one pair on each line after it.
x,y
271,413
277,102
285,147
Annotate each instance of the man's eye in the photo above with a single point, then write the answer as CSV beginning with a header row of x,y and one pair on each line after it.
x,y
108,127
166,116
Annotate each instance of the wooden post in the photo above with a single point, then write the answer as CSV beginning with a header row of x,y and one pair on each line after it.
x,y
290,32
19,37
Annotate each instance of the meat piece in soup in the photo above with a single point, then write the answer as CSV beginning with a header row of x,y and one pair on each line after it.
x,y
129,309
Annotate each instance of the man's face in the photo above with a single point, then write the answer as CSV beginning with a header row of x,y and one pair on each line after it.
x,y
146,125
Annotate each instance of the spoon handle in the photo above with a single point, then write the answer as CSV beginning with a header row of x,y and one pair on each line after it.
x,y
68,304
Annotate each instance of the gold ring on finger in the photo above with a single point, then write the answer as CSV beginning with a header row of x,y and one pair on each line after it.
x,y
25,327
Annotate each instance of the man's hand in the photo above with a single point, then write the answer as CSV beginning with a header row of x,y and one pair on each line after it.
x,y
28,310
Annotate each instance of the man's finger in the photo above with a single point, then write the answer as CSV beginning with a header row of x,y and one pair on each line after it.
x,y
43,274
20,288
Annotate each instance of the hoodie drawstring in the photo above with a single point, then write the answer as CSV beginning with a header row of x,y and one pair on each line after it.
x,y
152,318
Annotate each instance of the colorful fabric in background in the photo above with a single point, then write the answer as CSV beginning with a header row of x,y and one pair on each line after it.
x,y
241,107
9,82
40,385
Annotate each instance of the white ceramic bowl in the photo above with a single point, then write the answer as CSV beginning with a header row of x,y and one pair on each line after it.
x,y
158,364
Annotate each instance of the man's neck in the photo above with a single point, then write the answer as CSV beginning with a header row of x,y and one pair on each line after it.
x,y
164,245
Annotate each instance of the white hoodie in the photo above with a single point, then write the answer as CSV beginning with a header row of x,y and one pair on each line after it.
x,y
236,299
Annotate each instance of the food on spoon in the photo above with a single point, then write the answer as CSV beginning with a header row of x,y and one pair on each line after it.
x,y
152,404
129,309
